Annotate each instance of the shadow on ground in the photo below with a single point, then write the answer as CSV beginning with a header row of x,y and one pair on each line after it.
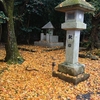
x,y
85,96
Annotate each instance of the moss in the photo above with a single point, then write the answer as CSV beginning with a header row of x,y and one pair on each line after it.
x,y
20,60
73,3
17,60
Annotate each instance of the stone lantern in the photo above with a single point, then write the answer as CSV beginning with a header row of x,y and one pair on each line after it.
x,y
74,17
49,31
49,27
48,39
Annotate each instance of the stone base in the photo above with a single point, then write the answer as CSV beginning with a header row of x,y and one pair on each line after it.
x,y
47,44
71,79
71,69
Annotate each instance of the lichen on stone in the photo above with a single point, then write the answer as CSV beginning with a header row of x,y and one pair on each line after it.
x,y
75,3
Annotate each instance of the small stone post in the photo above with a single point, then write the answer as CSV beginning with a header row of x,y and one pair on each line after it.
x,y
47,37
74,17
42,36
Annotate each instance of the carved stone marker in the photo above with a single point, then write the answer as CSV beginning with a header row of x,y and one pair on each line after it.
x,y
74,17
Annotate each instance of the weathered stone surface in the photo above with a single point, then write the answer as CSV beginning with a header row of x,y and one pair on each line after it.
x,y
94,58
72,25
70,79
68,5
48,44
89,55
72,46
71,69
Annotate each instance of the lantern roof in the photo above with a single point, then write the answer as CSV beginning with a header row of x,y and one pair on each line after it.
x,y
69,5
48,26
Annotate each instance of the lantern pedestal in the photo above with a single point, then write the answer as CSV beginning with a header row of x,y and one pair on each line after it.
x,y
71,79
71,69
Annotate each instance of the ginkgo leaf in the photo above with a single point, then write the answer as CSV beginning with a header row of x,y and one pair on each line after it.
x,y
33,79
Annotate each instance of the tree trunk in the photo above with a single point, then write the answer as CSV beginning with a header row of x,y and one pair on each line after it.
x,y
94,31
12,54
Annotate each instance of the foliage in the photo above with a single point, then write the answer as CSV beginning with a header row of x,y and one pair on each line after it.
x,y
3,18
27,29
32,79
33,14
92,33
96,4
36,13
30,11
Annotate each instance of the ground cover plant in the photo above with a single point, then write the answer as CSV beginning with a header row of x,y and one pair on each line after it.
x,y
33,79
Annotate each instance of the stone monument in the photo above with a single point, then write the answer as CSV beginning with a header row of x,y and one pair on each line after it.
x,y
74,17
49,40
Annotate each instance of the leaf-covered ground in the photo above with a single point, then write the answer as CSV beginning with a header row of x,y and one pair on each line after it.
x,y
33,79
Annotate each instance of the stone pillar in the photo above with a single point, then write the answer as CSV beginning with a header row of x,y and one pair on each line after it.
x,y
51,38
50,35
72,46
73,24
47,37
51,31
42,36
